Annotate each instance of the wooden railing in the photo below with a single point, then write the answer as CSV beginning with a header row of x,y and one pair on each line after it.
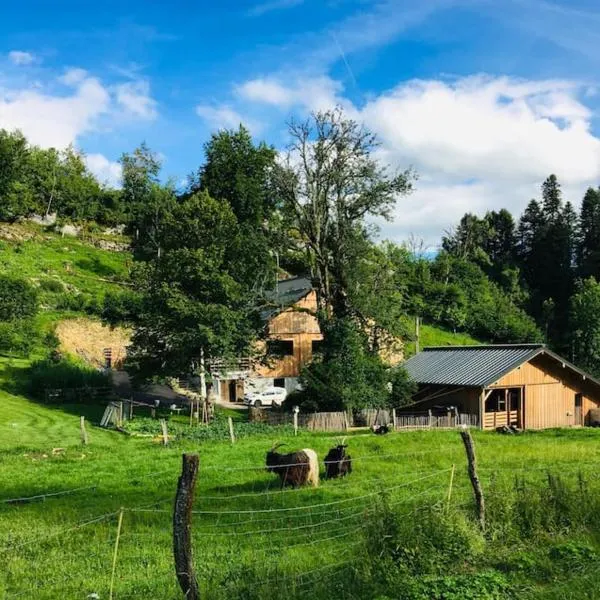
x,y
428,420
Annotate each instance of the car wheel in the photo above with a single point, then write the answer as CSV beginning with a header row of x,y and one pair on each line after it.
x,y
257,404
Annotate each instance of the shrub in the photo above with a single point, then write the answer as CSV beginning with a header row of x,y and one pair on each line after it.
x,y
18,338
64,373
18,299
52,285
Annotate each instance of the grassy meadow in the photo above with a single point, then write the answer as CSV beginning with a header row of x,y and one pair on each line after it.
x,y
386,531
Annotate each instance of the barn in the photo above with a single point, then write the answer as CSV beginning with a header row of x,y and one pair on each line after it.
x,y
525,385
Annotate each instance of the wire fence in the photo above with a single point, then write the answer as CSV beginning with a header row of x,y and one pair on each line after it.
x,y
236,534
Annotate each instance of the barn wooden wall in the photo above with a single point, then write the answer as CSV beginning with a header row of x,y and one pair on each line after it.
x,y
302,328
549,393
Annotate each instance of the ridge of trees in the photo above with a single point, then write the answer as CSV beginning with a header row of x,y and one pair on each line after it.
x,y
547,262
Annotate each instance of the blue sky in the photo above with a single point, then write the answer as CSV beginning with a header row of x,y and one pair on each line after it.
x,y
483,98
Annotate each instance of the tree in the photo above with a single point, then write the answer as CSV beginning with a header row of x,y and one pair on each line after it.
x,y
190,302
238,171
585,325
15,195
469,239
588,243
140,173
330,183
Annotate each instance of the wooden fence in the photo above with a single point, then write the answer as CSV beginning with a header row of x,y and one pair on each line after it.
x,y
342,421
428,420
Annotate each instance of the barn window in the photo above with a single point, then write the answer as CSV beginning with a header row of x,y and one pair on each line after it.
x,y
281,347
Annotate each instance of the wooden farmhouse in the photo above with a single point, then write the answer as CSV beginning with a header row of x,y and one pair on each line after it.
x,y
525,385
293,337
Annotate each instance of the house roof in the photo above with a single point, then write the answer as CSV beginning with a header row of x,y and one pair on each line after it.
x,y
476,366
288,292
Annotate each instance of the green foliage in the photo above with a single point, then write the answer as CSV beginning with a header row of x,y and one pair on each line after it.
x,y
347,375
191,300
63,373
402,387
18,299
18,338
218,430
585,324
238,171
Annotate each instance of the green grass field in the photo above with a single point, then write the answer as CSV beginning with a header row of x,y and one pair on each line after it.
x,y
253,541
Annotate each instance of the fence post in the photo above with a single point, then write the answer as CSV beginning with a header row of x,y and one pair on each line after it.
x,y
165,433
231,433
394,418
477,490
114,564
450,487
120,416
84,437
182,527
296,411
430,417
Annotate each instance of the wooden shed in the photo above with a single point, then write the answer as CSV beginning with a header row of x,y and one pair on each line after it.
x,y
525,385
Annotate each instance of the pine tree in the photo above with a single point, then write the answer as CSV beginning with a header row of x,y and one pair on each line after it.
x,y
588,242
551,198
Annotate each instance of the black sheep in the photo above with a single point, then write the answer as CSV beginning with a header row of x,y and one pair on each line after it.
x,y
337,462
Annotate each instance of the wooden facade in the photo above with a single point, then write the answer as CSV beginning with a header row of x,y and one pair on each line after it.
x,y
540,393
297,325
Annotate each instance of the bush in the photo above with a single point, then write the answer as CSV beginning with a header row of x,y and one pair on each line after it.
x,y
18,338
18,299
63,373
52,285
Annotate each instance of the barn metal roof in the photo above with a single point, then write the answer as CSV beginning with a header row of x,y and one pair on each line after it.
x,y
476,366
287,293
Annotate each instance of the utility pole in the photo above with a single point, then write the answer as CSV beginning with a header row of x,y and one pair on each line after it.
x,y
417,333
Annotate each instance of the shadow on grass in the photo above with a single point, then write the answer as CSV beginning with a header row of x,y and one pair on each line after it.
x,y
95,265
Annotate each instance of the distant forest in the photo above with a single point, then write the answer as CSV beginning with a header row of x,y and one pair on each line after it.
x,y
205,255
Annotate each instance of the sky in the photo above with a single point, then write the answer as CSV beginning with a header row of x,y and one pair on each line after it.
x,y
484,99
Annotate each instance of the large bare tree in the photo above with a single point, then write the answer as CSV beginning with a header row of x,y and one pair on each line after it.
x,y
331,182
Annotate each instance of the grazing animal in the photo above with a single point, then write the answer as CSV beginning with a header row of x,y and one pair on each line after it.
x,y
380,429
295,469
337,462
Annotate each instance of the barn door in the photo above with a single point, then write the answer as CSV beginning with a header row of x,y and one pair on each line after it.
x,y
578,409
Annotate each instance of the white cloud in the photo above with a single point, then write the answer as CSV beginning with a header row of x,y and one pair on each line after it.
x,y
51,120
105,170
314,93
19,57
51,115
477,143
73,76
482,143
134,97
269,6
225,117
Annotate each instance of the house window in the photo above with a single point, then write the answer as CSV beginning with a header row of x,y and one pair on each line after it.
x,y
578,400
317,346
281,347
500,400
513,399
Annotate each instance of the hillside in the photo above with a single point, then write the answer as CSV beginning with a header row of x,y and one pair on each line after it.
x,y
71,275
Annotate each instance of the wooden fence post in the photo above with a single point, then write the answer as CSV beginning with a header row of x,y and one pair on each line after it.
x,y
477,490
450,487
120,415
394,418
165,432
231,433
116,551
430,417
296,410
84,437
182,527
